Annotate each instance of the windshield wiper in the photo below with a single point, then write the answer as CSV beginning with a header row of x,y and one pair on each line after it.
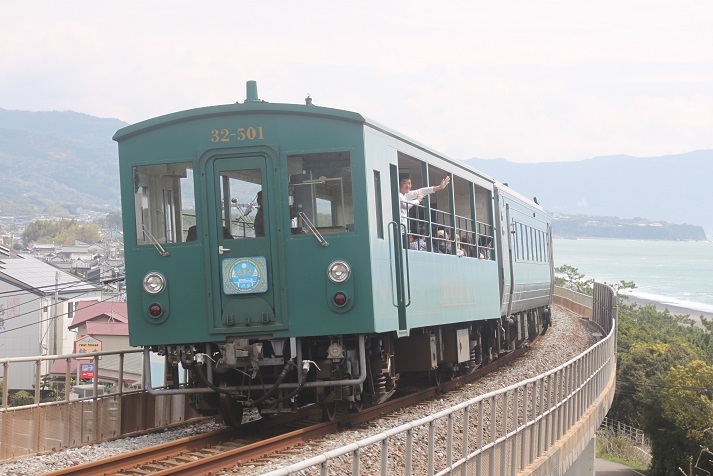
x,y
313,229
154,241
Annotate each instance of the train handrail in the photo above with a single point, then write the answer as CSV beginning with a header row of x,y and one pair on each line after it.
x,y
397,264
407,272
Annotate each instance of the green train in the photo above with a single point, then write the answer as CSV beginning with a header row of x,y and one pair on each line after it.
x,y
290,255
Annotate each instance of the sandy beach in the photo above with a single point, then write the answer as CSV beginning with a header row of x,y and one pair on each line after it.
x,y
673,309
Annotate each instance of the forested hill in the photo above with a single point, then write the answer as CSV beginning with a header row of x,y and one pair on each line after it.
x,y
56,162
672,188
584,226
53,163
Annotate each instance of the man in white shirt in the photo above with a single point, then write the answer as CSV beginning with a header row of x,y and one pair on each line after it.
x,y
409,198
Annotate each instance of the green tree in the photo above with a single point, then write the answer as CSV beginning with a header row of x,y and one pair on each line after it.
x,y
623,286
39,231
687,407
650,345
111,220
62,232
641,373
569,277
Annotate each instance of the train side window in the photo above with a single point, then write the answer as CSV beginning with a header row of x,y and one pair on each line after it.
x,y
379,211
164,202
541,247
320,192
533,245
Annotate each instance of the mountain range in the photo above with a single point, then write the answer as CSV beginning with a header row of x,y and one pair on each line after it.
x,y
671,188
55,163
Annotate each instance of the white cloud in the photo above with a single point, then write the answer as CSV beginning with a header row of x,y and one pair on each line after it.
x,y
526,81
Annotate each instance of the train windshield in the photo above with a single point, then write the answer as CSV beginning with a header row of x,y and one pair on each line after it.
x,y
241,213
164,203
320,192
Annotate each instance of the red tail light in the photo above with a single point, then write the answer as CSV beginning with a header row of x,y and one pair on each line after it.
x,y
155,310
340,299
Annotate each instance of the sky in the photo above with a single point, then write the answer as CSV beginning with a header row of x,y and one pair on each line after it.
x,y
523,80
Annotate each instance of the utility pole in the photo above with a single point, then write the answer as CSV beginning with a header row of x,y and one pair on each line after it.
x,y
54,317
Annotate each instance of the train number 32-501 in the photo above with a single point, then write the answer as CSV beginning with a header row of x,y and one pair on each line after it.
x,y
239,134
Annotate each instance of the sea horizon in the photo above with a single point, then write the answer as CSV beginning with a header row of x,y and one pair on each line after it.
x,y
675,273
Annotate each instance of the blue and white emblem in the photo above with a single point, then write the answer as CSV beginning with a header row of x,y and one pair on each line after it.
x,y
245,275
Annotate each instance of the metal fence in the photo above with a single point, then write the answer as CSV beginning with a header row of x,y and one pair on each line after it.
x,y
579,303
501,432
69,419
504,432
623,430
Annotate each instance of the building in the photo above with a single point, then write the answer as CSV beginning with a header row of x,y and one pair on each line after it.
x,y
37,306
106,321
105,324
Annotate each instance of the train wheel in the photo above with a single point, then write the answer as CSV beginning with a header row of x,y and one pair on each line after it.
x,y
231,410
448,373
329,410
434,376
357,404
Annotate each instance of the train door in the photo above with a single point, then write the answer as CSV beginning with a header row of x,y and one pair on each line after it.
x,y
245,277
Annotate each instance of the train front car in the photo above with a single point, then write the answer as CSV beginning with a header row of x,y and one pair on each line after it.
x,y
247,259
269,252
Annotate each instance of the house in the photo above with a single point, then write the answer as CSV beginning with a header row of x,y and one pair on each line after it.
x,y
37,304
105,324
106,321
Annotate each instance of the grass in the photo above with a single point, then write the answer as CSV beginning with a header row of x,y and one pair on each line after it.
x,y
621,450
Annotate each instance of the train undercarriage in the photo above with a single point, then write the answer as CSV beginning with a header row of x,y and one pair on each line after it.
x,y
344,372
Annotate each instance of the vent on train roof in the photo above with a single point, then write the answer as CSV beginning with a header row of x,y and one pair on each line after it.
x,y
251,87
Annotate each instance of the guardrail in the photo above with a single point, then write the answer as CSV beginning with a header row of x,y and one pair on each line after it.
x,y
520,429
623,430
69,419
540,412
69,359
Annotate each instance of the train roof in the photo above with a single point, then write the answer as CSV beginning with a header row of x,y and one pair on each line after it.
x,y
260,107
530,202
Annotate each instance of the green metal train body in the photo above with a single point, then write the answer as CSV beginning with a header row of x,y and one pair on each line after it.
x,y
267,255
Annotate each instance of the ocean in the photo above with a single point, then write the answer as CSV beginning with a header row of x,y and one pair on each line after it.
x,y
678,273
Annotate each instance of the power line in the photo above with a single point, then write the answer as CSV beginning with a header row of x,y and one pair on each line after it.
x,y
22,292
57,316
679,387
38,309
51,286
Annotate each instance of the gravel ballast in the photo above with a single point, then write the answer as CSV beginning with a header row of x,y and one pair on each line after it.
x,y
568,337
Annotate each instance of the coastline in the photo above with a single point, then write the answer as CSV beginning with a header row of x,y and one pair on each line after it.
x,y
673,309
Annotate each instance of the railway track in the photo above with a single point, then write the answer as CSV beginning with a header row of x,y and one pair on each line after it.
x,y
218,450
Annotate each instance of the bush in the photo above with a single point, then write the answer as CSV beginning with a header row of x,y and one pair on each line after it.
x,y
621,450
21,398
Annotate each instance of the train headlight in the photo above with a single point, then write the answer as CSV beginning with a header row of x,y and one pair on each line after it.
x,y
339,271
154,283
